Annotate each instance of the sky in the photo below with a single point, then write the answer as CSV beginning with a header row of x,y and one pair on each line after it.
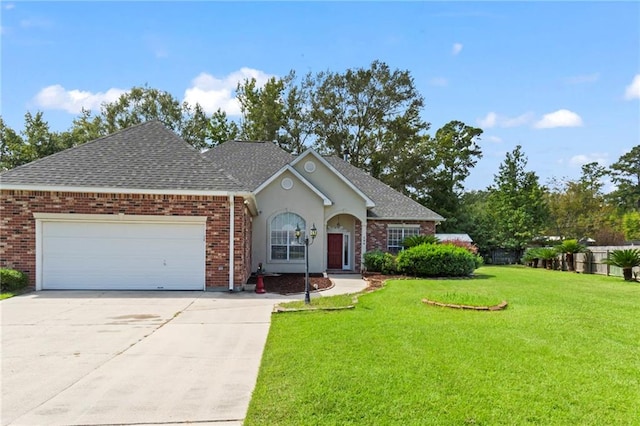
x,y
561,79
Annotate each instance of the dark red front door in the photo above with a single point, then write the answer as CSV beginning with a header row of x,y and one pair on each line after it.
x,y
334,258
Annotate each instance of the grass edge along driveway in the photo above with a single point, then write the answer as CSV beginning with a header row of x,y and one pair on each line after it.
x,y
566,351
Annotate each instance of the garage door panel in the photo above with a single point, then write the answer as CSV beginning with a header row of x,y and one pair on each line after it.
x,y
140,256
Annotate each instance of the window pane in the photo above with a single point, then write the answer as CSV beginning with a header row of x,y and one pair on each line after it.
x,y
284,245
279,252
296,252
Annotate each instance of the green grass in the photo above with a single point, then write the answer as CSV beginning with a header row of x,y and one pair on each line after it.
x,y
464,298
6,295
331,302
565,351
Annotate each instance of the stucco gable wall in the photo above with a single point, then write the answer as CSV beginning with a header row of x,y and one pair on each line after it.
x,y
345,199
301,200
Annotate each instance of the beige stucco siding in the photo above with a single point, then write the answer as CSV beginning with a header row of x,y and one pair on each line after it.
x,y
345,199
301,200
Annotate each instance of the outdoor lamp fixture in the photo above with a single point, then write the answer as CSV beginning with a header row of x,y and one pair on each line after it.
x,y
314,233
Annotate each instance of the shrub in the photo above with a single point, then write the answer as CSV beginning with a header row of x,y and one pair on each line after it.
x,y
389,264
416,240
569,248
373,260
547,254
379,261
12,280
626,259
437,260
531,256
462,244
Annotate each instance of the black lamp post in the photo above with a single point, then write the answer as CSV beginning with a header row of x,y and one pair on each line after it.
x,y
313,232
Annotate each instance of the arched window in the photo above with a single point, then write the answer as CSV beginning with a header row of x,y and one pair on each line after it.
x,y
284,245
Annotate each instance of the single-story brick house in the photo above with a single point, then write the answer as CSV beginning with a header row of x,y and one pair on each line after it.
x,y
142,209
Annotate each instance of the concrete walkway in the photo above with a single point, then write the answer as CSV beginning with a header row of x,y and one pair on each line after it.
x,y
112,357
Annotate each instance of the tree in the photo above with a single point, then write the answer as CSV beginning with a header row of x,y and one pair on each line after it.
x,y
517,202
626,174
13,150
476,218
631,225
366,112
221,129
455,152
142,104
262,109
297,126
578,208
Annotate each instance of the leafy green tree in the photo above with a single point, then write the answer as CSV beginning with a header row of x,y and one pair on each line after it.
x,y
221,129
142,104
631,225
13,150
476,219
297,127
262,109
625,173
455,152
516,202
578,207
366,112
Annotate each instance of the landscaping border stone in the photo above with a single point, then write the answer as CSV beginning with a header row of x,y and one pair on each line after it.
x,y
502,305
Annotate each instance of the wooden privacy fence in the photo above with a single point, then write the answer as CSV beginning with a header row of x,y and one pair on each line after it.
x,y
591,262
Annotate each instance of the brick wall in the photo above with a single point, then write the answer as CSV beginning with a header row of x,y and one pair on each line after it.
x,y
377,231
358,243
17,225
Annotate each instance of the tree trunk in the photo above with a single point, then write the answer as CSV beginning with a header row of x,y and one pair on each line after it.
x,y
570,266
627,273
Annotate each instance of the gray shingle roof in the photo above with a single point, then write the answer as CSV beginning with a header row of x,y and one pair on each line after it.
x,y
390,204
251,163
146,156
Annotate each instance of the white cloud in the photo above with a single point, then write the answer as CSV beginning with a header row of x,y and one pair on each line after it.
x,y
57,97
580,159
559,118
489,121
439,82
633,90
492,119
36,23
493,139
457,48
213,93
8,6
583,78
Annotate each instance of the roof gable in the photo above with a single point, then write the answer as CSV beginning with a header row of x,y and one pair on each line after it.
x,y
368,201
146,156
326,201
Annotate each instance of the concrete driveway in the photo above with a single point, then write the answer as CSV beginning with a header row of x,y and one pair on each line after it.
x,y
96,358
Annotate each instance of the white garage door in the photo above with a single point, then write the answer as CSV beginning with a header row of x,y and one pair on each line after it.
x,y
131,256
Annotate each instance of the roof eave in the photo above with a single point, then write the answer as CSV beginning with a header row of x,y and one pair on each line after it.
x,y
117,190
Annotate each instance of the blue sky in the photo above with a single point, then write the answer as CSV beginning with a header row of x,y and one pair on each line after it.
x,y
562,79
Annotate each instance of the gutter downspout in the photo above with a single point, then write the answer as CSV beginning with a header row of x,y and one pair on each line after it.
x,y
231,240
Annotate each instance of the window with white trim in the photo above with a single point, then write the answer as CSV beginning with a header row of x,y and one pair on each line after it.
x,y
283,244
397,233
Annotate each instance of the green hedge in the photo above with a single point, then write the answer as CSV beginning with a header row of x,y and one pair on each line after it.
x,y
379,261
437,260
12,280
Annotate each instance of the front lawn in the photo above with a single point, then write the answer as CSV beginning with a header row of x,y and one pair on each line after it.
x,y
565,351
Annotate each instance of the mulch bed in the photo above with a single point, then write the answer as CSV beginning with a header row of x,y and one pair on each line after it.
x,y
292,283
